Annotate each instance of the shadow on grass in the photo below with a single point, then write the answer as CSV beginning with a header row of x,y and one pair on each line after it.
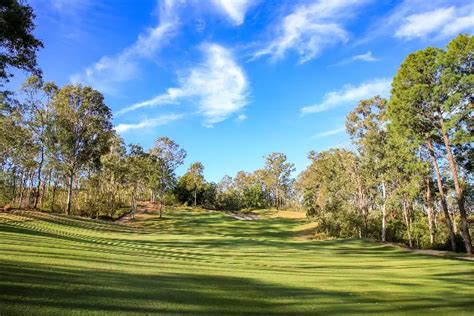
x,y
36,288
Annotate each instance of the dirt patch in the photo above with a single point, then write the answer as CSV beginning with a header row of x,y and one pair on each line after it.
x,y
289,214
144,211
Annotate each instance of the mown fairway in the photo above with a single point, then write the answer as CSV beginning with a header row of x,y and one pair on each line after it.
x,y
208,263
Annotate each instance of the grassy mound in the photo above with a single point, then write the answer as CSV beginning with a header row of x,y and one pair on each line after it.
x,y
212,264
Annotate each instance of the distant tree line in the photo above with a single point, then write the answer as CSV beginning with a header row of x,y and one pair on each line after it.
x,y
409,178
271,186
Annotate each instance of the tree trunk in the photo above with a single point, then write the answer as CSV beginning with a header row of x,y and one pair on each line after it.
x,y
38,186
453,219
195,196
407,223
384,213
363,206
69,193
153,197
134,198
53,198
442,196
43,189
459,191
429,210
14,185
276,198
30,190
22,189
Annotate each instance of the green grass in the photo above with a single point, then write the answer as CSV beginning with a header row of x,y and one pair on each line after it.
x,y
193,263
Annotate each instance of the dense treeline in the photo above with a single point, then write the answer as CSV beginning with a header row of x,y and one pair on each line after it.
x,y
61,152
409,178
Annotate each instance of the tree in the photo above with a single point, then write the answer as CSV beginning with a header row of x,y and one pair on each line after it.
x,y
250,189
457,85
194,179
432,96
278,176
405,173
414,109
79,131
166,156
227,195
112,176
16,162
330,194
38,95
367,126
137,170
456,91
18,44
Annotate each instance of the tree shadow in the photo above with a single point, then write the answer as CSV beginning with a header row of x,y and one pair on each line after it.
x,y
38,288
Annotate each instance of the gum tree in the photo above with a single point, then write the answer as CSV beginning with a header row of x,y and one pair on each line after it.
x,y
194,179
166,155
367,126
78,132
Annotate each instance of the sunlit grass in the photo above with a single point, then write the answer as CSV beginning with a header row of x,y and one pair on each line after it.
x,y
209,263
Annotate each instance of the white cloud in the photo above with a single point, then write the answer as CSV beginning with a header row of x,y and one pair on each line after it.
x,y
149,123
350,94
422,24
368,57
170,97
311,28
431,20
109,70
330,132
459,25
218,86
234,9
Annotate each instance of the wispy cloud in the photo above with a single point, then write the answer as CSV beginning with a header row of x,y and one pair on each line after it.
x,y
433,20
234,9
442,22
171,96
311,28
149,123
110,70
350,94
331,132
367,57
364,57
218,86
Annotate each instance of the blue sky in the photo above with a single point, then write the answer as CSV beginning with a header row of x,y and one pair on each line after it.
x,y
234,80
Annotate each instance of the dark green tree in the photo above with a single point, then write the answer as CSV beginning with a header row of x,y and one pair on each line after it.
x,y
414,110
18,44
